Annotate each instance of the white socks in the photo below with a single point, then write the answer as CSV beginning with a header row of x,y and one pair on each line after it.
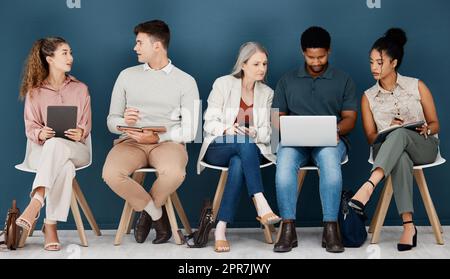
x,y
262,207
219,233
153,211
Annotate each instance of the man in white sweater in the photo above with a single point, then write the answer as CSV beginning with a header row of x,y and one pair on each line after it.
x,y
155,94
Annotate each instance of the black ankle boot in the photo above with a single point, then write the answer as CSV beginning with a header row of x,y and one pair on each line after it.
x,y
331,238
405,247
162,228
288,237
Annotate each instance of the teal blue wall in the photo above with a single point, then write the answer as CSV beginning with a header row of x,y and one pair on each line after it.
x,y
206,35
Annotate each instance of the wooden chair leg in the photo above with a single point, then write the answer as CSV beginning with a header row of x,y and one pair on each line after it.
x,y
32,229
78,221
124,221
268,235
85,207
139,177
181,214
219,193
429,206
22,240
267,229
272,228
130,224
279,232
386,197
375,214
300,179
176,232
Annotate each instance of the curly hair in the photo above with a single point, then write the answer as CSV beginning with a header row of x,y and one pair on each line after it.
x,y
393,43
36,68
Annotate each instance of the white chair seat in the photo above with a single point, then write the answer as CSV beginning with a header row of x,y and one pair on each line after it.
x,y
146,170
24,166
439,161
226,169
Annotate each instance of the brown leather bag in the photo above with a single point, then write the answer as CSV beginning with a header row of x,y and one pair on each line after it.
x,y
12,231
199,238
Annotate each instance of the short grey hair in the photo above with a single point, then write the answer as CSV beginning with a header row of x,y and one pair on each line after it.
x,y
245,52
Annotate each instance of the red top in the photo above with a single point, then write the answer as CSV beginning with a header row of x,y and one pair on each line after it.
x,y
245,115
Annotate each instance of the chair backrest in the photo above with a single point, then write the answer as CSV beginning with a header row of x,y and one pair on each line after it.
x,y
25,167
438,161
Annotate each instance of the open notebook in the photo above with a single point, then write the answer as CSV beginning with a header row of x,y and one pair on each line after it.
x,y
383,133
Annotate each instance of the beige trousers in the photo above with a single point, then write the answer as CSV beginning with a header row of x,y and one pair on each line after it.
x,y
168,158
55,164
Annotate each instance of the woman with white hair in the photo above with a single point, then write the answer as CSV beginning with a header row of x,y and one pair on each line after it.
x,y
237,135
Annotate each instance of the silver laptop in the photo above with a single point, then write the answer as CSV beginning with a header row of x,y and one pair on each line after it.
x,y
308,130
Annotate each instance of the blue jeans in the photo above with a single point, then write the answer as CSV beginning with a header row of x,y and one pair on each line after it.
x,y
328,160
242,157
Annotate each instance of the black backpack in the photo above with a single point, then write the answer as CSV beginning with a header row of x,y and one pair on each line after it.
x,y
199,238
352,224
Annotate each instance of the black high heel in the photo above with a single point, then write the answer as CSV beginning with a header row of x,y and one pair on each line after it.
x,y
358,206
405,247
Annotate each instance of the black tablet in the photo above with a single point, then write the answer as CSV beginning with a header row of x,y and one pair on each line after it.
x,y
61,119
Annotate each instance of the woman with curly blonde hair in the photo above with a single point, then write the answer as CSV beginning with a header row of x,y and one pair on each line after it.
x,y
46,83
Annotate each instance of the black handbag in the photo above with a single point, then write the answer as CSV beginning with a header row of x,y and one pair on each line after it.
x,y
352,224
199,238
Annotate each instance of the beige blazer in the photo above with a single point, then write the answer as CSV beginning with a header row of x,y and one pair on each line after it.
x,y
223,108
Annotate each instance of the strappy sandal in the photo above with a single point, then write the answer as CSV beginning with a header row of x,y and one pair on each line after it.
x,y
268,219
25,224
358,206
51,246
221,246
